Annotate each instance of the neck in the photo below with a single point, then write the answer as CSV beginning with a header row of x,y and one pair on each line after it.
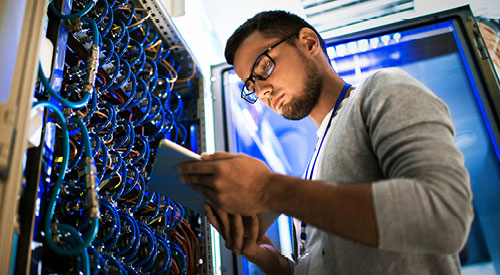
x,y
332,86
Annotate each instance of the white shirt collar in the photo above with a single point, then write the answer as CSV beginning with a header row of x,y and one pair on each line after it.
x,y
322,127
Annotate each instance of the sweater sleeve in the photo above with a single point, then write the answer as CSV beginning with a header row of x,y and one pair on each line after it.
x,y
424,205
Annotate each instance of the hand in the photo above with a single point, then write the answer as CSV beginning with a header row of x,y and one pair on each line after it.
x,y
233,183
241,236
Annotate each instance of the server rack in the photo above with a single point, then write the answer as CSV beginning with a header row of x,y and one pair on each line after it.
x,y
121,119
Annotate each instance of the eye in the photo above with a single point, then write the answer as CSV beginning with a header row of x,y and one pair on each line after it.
x,y
267,66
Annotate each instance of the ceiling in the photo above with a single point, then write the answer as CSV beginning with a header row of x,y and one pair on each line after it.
x,y
207,24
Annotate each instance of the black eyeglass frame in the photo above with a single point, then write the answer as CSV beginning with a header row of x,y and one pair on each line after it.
x,y
245,95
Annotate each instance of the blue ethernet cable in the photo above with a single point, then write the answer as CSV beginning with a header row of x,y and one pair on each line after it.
x,y
133,90
129,223
123,44
160,124
181,215
87,8
139,66
116,59
92,65
143,38
137,25
145,111
128,19
95,31
105,155
180,105
178,250
144,150
92,200
123,172
84,253
107,22
100,17
122,77
117,38
151,41
92,107
109,120
183,131
140,89
117,4
130,256
113,262
57,188
134,47
153,78
115,219
142,184
132,180
128,138
149,248
107,51
166,126
63,101
116,167
101,265
167,262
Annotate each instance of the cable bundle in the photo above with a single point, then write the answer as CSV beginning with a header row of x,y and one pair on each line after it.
x,y
117,100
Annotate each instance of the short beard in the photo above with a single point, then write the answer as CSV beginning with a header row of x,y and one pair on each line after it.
x,y
300,107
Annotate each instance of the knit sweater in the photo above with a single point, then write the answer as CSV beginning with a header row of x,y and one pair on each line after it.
x,y
392,131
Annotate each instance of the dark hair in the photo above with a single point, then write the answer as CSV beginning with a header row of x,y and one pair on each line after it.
x,y
270,24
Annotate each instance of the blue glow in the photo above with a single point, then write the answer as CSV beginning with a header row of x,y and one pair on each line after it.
x,y
476,94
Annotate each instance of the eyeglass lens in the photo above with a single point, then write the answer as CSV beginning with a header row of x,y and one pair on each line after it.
x,y
262,70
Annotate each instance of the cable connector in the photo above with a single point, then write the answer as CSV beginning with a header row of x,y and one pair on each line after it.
x,y
93,64
74,25
90,180
55,229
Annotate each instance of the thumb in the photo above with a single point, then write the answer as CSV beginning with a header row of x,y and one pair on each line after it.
x,y
217,156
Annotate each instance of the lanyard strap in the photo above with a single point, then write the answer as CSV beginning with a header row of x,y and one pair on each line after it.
x,y
303,225
337,104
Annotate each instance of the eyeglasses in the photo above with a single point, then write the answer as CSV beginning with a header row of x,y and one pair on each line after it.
x,y
261,70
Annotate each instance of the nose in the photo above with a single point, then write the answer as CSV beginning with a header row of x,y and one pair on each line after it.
x,y
263,89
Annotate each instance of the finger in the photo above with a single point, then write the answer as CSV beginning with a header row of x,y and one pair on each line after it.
x,y
252,234
253,230
212,217
217,156
237,232
226,226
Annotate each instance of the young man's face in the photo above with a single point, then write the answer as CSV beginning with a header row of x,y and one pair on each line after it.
x,y
294,86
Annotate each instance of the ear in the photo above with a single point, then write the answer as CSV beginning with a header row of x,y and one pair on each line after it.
x,y
309,41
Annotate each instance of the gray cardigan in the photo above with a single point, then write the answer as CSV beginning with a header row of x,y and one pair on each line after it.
x,y
394,132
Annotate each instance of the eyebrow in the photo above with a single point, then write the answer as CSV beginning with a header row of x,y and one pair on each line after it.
x,y
268,49
255,60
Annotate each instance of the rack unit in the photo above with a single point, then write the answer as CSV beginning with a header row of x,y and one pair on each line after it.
x,y
127,82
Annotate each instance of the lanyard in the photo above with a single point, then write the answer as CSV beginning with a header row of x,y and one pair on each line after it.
x,y
303,225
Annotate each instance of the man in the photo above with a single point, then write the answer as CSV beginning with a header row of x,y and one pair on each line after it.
x,y
386,191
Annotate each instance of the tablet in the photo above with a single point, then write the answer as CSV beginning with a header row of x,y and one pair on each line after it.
x,y
165,180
